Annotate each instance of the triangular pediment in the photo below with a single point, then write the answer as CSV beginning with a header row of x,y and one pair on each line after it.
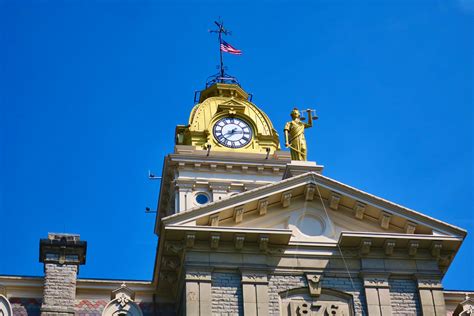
x,y
315,208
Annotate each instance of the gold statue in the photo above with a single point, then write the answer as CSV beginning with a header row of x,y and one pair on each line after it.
x,y
294,134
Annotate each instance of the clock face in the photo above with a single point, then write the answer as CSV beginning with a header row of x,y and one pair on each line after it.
x,y
232,132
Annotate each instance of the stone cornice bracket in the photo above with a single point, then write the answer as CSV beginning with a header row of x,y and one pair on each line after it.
x,y
238,214
413,247
359,210
385,220
215,238
389,245
314,284
262,207
3,290
436,249
214,220
239,241
365,245
286,198
190,240
334,200
309,192
263,242
410,227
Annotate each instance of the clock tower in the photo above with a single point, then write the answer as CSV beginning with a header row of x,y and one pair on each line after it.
x,y
225,120
229,146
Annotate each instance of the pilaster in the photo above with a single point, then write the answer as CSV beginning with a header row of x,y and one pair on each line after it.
x,y
377,294
255,293
431,296
198,293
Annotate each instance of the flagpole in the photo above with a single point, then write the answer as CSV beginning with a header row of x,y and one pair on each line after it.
x,y
220,50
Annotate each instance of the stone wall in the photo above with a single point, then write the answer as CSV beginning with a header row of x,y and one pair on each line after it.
x,y
226,294
404,297
59,286
281,283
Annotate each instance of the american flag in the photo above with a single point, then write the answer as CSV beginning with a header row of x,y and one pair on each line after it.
x,y
226,47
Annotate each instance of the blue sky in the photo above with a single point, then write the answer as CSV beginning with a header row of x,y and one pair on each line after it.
x,y
91,93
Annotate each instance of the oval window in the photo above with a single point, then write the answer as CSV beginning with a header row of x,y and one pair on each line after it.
x,y
202,198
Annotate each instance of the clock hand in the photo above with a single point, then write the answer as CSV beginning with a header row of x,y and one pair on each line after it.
x,y
232,131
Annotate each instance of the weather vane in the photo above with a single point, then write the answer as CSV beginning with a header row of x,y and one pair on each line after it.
x,y
224,47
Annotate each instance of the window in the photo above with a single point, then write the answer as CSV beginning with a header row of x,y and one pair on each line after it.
x,y
202,198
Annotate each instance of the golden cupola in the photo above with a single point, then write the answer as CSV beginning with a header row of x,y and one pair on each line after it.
x,y
226,120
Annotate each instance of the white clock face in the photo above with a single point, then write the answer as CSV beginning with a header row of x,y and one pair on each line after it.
x,y
232,132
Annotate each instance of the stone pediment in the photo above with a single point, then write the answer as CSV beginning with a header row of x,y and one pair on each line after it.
x,y
316,209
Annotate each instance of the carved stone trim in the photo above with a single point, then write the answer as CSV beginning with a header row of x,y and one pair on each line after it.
x,y
334,200
190,240
239,241
214,220
263,242
5,306
413,247
410,228
238,214
309,192
359,210
314,284
262,207
389,246
385,220
376,280
198,276
286,198
254,277
215,238
365,245
429,283
436,248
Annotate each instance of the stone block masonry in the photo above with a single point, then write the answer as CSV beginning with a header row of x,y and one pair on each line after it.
x,y
404,297
227,294
59,286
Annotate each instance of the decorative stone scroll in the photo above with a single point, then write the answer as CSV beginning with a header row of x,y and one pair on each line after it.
x,y
465,308
122,303
5,306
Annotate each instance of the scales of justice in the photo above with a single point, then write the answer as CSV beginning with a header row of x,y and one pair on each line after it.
x,y
294,130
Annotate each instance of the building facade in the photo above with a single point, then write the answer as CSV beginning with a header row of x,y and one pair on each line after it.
x,y
245,230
